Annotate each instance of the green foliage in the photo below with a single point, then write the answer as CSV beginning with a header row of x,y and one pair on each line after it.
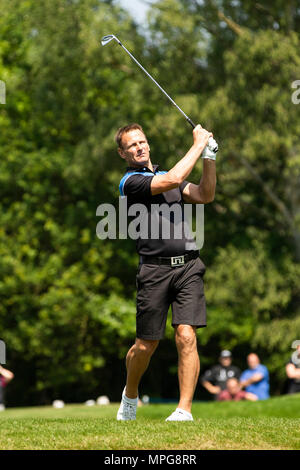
x,y
250,302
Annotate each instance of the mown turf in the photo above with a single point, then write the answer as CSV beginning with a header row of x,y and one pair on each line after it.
x,y
272,424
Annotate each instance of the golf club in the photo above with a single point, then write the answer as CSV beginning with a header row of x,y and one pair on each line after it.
x,y
212,144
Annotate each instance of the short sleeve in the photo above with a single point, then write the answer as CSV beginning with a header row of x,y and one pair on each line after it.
x,y
183,185
138,185
264,371
207,376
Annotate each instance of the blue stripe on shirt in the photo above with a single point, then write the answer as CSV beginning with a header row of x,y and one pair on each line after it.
x,y
128,174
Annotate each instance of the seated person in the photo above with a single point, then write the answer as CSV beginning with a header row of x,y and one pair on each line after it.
x,y
214,379
233,392
256,379
293,372
5,377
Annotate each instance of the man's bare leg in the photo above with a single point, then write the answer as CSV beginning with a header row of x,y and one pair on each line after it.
x,y
188,364
137,361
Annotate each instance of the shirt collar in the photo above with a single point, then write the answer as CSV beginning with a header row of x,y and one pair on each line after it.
x,y
142,169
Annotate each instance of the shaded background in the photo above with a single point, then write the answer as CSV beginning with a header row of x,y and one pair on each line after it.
x,y
67,299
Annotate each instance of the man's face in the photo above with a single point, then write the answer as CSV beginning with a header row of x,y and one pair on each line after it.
x,y
225,361
233,386
135,149
253,361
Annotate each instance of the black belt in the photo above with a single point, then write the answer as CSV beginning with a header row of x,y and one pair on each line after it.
x,y
172,260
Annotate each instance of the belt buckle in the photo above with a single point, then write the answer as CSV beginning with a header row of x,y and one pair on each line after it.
x,y
177,261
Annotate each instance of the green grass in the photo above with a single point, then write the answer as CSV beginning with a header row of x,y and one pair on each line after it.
x,y
272,424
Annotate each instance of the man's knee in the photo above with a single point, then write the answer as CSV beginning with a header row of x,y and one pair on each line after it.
x,y
185,336
146,347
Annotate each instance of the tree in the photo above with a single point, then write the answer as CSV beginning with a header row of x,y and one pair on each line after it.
x,y
62,299
67,310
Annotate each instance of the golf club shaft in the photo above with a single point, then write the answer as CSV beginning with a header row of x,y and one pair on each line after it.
x,y
165,93
212,146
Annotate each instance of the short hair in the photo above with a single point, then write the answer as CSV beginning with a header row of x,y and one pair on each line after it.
x,y
232,378
124,130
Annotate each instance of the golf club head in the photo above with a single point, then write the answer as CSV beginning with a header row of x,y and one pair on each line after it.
x,y
109,37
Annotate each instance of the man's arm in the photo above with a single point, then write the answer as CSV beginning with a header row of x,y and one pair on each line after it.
x,y
292,372
204,192
257,377
251,397
7,374
214,389
174,177
208,379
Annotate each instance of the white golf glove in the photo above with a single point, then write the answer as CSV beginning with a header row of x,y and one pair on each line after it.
x,y
210,150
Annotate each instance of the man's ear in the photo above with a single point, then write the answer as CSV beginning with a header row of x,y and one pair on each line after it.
x,y
121,152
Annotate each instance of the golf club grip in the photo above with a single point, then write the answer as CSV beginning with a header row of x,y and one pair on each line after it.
x,y
212,144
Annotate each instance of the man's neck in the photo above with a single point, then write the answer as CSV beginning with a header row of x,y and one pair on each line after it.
x,y
138,167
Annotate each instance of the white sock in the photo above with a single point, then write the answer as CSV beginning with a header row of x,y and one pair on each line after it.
x,y
131,400
184,412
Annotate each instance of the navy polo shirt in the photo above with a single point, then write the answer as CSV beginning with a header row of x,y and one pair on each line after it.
x,y
136,186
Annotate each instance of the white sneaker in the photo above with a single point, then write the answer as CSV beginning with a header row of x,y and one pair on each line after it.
x,y
127,410
180,415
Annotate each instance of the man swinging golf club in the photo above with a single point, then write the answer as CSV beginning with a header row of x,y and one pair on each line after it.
x,y
170,271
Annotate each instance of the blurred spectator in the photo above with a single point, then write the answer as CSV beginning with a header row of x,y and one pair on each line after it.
x,y
256,379
233,392
5,377
293,372
214,379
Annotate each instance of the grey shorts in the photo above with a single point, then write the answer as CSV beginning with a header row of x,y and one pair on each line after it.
x,y
161,286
